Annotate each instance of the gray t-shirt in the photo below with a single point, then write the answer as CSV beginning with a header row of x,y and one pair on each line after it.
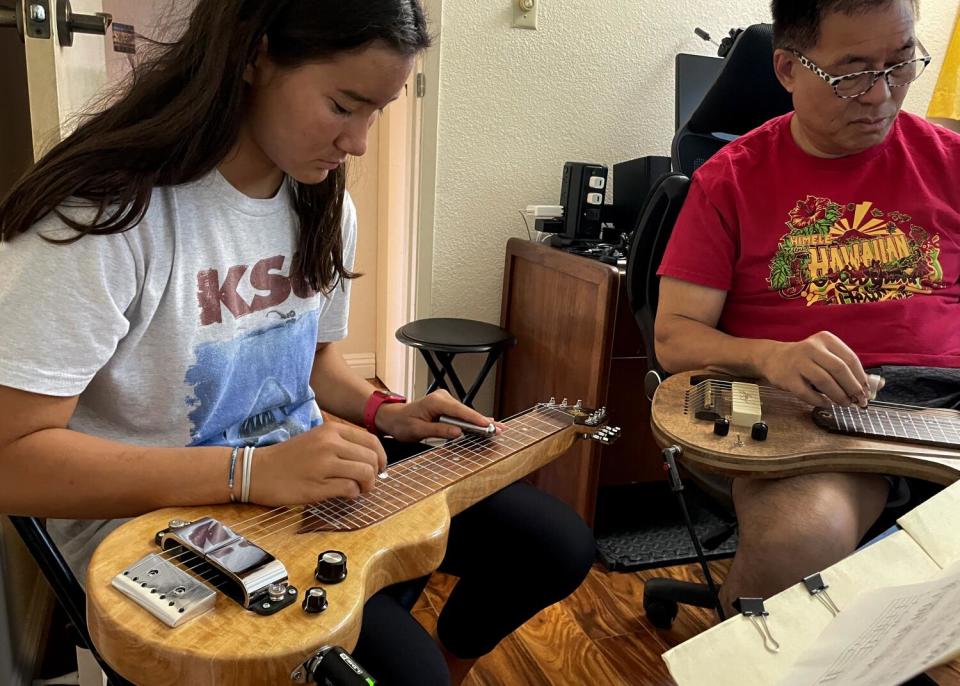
x,y
184,331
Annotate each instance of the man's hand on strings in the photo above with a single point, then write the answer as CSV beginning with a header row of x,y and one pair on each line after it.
x,y
819,370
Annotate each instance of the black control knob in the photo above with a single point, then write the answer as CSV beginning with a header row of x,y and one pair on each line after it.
x,y
759,431
315,600
331,567
721,426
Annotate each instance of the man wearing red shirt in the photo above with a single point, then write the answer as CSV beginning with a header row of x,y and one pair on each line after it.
x,y
818,246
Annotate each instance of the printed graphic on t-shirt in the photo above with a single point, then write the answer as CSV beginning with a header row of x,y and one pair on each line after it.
x,y
253,389
856,253
214,295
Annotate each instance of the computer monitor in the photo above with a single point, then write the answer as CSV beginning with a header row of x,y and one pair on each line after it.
x,y
694,76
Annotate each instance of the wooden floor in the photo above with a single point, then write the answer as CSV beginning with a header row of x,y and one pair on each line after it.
x,y
598,635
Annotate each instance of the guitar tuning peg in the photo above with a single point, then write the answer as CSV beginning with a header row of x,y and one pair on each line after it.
x,y
579,405
553,401
564,403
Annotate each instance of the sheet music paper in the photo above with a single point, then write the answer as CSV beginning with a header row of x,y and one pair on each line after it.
x,y
886,636
934,526
732,653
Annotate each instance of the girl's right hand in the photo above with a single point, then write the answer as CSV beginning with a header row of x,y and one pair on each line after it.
x,y
329,461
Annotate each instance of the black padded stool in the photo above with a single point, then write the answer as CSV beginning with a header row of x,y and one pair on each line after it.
x,y
440,340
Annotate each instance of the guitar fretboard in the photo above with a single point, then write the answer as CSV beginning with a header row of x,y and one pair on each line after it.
x,y
909,425
419,477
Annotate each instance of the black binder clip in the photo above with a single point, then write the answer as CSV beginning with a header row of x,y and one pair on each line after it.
x,y
818,590
754,609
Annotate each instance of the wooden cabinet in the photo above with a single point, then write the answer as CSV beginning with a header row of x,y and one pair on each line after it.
x,y
576,338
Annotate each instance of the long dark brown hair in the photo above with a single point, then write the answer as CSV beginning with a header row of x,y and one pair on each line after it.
x,y
180,113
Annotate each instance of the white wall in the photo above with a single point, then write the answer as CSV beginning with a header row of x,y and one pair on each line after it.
x,y
594,83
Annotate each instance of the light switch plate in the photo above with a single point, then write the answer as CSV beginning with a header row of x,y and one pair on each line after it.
x,y
525,13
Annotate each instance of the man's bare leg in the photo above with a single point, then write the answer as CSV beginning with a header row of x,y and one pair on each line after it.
x,y
789,528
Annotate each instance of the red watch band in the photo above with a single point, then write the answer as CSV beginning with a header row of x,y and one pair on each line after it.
x,y
374,402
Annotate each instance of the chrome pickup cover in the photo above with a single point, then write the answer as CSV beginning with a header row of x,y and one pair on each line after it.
x,y
247,570
164,590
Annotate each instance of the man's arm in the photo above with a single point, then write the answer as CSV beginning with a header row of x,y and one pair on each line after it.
x,y
687,338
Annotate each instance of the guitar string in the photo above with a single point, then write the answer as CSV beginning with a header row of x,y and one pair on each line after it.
x,y
434,472
200,562
222,583
880,411
784,399
779,393
400,470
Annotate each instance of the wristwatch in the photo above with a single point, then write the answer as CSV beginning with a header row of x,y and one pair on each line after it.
x,y
374,402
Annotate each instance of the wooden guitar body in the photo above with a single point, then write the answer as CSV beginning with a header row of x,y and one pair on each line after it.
x,y
794,444
229,644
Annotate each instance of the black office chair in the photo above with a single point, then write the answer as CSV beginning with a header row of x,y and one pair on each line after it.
x,y
65,586
745,95
724,109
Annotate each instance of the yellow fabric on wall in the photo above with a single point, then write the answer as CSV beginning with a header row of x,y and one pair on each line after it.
x,y
945,103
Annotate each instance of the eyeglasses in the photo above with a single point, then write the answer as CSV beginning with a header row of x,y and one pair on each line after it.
x,y
856,84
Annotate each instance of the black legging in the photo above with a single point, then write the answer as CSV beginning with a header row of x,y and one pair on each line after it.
x,y
515,553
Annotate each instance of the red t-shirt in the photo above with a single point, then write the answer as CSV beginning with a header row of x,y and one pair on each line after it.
x,y
865,246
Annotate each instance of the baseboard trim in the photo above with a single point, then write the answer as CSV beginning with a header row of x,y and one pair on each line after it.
x,y
363,365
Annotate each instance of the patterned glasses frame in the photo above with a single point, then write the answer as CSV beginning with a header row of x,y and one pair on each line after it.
x,y
835,82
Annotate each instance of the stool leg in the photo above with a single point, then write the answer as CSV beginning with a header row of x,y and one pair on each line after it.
x,y
446,359
435,371
492,358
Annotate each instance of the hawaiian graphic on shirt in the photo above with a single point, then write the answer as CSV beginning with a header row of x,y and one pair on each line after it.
x,y
253,389
845,254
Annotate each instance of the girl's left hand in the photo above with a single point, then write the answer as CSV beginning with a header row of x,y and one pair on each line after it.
x,y
410,422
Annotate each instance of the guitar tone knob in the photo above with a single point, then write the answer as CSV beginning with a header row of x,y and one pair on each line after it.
x,y
331,567
759,431
721,426
314,600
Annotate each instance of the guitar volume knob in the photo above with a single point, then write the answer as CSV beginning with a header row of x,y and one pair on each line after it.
x,y
759,431
721,426
314,600
331,567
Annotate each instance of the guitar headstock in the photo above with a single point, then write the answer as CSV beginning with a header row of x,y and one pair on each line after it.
x,y
589,424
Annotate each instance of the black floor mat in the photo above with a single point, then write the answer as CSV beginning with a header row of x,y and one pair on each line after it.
x,y
640,526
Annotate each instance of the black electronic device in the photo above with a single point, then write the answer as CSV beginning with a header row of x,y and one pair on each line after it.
x,y
334,666
632,181
582,194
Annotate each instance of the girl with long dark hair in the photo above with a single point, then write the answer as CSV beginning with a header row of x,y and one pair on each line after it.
x,y
173,278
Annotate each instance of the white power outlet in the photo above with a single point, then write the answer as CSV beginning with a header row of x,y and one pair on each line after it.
x,y
525,13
